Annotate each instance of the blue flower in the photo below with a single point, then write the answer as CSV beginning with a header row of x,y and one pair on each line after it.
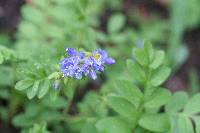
x,y
110,61
71,52
93,75
99,56
78,64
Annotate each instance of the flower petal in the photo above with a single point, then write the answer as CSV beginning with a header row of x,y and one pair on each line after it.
x,y
93,75
71,52
110,61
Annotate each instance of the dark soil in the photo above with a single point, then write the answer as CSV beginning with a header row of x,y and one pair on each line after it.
x,y
146,7
10,14
192,39
180,81
5,128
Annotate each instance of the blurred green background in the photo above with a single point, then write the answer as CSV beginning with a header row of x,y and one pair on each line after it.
x,y
35,33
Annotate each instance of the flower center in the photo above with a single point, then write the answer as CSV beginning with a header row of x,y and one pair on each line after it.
x,y
97,56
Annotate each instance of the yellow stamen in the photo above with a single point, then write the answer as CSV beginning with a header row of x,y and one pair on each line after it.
x,y
97,56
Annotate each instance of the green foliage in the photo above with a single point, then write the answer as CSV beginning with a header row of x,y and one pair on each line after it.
x,y
39,128
33,63
139,101
136,70
23,84
35,114
183,15
113,124
159,98
116,23
88,107
160,75
35,98
122,106
182,112
129,92
36,82
159,57
158,123
46,49
140,105
33,88
6,54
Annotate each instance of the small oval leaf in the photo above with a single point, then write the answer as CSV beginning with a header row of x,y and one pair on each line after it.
x,y
136,71
141,56
122,106
113,125
160,76
115,23
129,91
44,87
23,84
31,92
158,60
159,98
158,123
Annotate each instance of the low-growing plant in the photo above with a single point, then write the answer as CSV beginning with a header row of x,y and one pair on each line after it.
x,y
141,105
56,77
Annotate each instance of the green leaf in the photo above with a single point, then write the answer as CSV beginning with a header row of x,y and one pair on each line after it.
x,y
113,125
197,124
122,106
182,54
22,120
185,125
38,128
31,92
177,102
155,122
7,75
136,71
23,84
89,127
54,94
51,115
141,130
149,50
160,75
44,87
5,93
160,97
141,56
174,124
37,16
54,75
193,105
90,102
1,58
116,23
69,90
129,91
6,54
158,60
26,26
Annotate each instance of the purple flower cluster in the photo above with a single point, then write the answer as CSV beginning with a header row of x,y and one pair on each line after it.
x,y
78,64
